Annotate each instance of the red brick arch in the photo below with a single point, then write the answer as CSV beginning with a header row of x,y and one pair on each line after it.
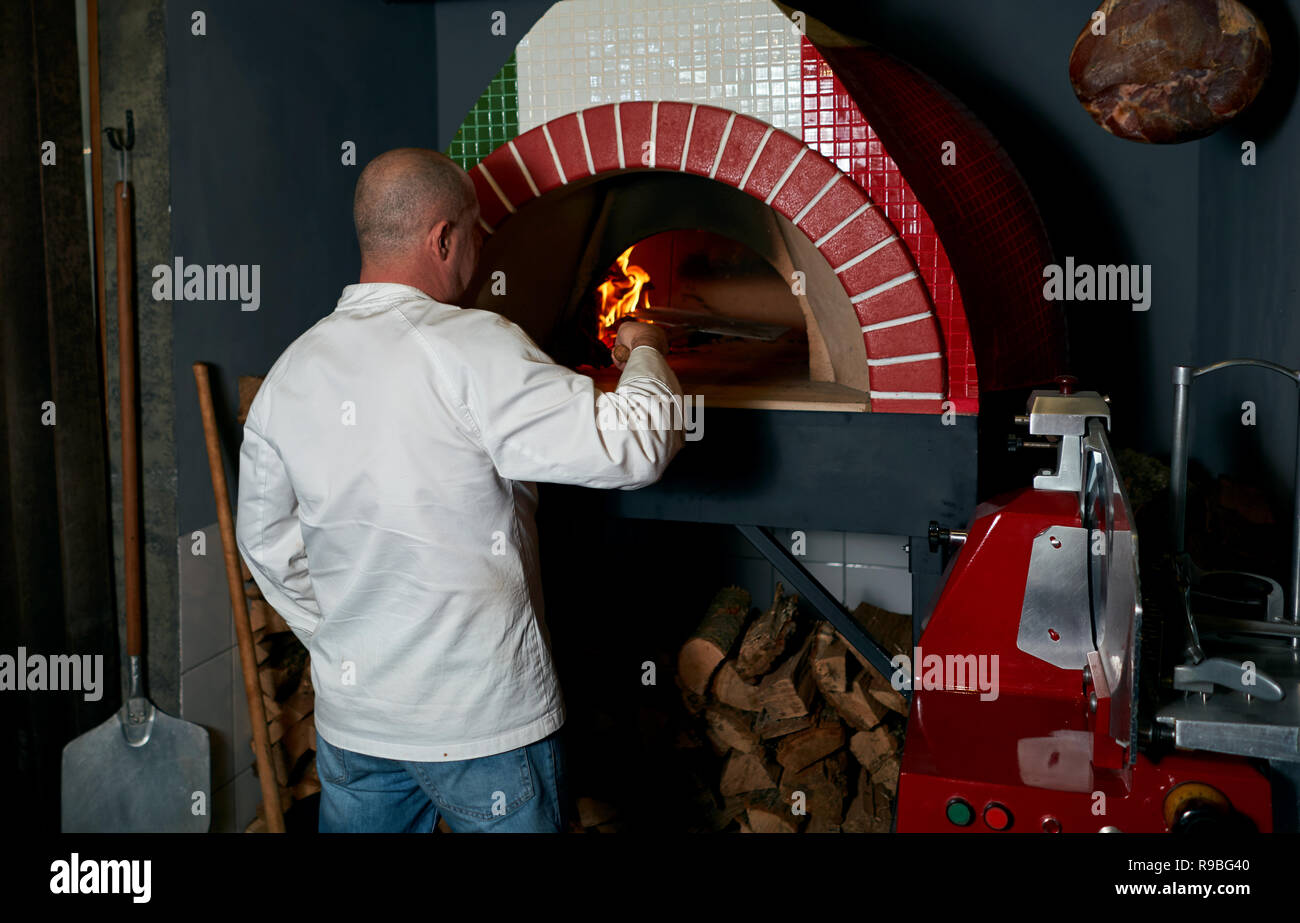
x,y
894,311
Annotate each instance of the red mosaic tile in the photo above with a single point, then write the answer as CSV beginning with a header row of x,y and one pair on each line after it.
x,y
536,155
509,178
781,149
863,232
746,135
900,301
835,127
885,405
635,119
918,336
599,122
839,202
925,376
706,134
670,132
567,138
805,182
887,263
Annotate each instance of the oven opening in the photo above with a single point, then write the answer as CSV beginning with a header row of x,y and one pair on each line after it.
x,y
755,316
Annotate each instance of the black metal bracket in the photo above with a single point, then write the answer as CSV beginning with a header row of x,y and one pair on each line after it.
x,y
827,606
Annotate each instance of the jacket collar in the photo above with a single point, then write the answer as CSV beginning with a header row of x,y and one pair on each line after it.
x,y
364,294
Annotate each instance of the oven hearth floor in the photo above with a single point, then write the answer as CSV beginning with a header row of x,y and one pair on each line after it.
x,y
751,374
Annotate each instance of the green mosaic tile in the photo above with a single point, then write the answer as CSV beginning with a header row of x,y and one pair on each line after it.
x,y
492,121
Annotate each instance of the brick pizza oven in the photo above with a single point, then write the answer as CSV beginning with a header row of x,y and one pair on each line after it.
x,y
903,198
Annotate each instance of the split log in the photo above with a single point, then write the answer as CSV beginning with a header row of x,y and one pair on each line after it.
x,y
769,727
872,748
765,640
880,689
803,748
788,691
712,641
308,785
892,630
730,689
870,810
828,660
823,785
771,814
263,615
299,738
733,728
886,775
858,709
745,772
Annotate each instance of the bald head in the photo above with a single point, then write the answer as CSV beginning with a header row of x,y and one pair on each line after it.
x,y
404,193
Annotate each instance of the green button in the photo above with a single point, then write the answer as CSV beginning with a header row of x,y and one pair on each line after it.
x,y
960,813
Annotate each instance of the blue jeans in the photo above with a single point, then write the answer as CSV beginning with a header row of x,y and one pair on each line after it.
x,y
519,791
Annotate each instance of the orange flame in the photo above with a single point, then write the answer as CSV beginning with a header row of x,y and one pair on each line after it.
x,y
620,294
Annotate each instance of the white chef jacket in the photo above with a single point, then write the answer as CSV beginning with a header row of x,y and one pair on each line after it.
x,y
386,511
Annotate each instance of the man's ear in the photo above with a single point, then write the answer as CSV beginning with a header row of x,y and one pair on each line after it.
x,y
440,239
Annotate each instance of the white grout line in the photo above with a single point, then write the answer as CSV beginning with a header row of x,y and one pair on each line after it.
x,y
546,133
654,125
753,160
618,133
495,188
686,144
586,145
896,322
722,146
862,210
487,228
784,176
883,287
519,160
904,396
865,253
817,198
904,360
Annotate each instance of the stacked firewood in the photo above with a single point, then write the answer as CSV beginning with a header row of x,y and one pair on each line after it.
x,y
284,675
807,730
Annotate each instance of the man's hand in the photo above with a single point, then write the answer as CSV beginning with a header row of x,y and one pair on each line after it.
x,y
632,334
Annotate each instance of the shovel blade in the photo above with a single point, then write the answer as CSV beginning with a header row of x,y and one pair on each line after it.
x,y
111,787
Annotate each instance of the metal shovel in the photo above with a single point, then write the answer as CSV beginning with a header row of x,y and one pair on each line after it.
x,y
141,771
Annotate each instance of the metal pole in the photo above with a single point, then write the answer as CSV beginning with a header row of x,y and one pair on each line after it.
x,y
1178,458
1294,597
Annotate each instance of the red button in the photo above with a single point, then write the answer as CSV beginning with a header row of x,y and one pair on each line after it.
x,y
997,817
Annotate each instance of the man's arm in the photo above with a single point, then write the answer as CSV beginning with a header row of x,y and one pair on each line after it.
x,y
269,535
540,421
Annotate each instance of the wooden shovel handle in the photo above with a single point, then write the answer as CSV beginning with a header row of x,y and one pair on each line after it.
x,y
239,603
126,357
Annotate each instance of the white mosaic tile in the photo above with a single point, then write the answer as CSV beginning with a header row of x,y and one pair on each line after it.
x,y
741,55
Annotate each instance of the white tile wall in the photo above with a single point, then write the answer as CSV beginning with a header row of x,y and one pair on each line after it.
x,y
854,567
741,55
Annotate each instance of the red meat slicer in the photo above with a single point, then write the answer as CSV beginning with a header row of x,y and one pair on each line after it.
x,y
1043,595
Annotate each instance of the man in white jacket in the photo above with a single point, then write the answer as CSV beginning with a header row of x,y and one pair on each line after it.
x,y
386,511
